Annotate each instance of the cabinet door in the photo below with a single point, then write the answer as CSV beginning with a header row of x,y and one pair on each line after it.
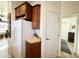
x,y
22,10
29,12
33,50
17,12
36,17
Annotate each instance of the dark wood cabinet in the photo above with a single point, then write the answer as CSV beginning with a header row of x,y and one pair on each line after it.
x,y
33,50
71,36
36,16
24,11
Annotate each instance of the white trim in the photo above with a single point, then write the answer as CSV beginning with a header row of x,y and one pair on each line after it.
x,y
42,29
77,37
69,15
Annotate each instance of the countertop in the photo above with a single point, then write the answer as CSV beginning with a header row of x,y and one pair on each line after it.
x,y
33,40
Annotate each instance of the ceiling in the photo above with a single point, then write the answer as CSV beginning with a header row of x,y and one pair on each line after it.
x,y
30,1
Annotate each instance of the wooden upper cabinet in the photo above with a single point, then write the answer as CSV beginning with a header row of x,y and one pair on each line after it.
x,y
36,16
24,11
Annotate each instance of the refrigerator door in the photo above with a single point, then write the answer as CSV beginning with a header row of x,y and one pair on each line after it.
x,y
21,30
27,32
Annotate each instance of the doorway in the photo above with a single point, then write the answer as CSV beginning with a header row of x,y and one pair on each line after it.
x,y
68,34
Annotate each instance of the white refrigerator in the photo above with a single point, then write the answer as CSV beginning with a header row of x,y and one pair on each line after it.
x,y
21,30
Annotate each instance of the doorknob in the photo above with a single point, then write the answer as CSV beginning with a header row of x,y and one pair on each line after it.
x,y
47,39
58,35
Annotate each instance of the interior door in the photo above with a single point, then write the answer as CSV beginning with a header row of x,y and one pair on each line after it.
x,y
52,35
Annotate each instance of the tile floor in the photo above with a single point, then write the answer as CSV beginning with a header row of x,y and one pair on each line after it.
x,y
4,48
66,55
4,53
71,46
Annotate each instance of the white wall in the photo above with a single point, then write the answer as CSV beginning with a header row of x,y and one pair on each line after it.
x,y
69,8
54,6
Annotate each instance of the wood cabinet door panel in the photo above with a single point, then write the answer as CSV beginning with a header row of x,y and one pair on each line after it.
x,y
36,17
22,10
33,50
17,12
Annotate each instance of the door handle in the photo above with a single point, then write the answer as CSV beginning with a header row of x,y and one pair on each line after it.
x,y
58,35
47,39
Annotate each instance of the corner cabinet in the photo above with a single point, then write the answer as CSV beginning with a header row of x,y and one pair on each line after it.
x,y
24,11
36,16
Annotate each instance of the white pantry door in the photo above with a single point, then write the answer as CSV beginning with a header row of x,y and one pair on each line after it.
x,y
52,35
